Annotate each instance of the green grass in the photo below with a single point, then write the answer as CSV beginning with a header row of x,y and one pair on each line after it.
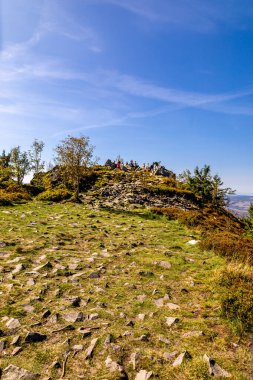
x,y
120,244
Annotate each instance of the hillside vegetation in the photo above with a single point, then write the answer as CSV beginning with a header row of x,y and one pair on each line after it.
x,y
138,276
121,271
127,281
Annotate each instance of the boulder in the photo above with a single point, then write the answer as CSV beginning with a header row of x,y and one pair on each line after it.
x,y
162,171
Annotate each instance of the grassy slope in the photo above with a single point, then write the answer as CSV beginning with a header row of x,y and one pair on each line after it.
x,y
123,244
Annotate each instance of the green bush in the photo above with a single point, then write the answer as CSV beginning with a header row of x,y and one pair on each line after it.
x,y
56,195
8,196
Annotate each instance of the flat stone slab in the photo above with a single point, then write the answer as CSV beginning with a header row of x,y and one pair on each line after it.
x,y
73,317
13,372
13,323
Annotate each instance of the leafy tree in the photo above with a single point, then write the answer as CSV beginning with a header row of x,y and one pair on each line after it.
x,y
74,154
5,159
20,164
207,187
36,163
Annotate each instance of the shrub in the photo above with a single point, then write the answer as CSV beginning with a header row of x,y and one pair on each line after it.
x,y
190,218
163,189
34,190
56,195
7,197
232,246
237,299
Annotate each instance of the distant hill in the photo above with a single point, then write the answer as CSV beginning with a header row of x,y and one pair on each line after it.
x,y
239,204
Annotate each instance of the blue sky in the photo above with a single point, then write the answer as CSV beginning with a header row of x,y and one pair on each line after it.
x,y
147,79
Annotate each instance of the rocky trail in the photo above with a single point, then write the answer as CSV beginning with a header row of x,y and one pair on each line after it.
x,y
96,293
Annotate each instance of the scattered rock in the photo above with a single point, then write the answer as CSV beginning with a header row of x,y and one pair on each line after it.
x,y
17,269
109,339
85,332
2,345
171,320
214,369
13,372
34,337
144,338
30,282
143,375
179,360
13,323
73,317
169,355
192,334
46,314
78,347
164,340
56,364
113,365
94,316
165,264
47,265
28,308
65,328
16,351
89,351
141,297
146,273
16,340
75,301
94,275
134,359
193,242
172,306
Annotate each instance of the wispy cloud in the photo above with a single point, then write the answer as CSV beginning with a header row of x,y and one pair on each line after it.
x,y
55,20
198,15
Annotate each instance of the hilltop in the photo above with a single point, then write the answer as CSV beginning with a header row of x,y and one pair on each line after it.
x,y
138,280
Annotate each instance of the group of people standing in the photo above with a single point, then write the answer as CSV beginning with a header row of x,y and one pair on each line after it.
x,y
132,165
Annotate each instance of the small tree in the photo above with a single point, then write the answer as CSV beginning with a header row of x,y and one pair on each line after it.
x,y
20,164
37,165
207,187
5,170
5,159
74,154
